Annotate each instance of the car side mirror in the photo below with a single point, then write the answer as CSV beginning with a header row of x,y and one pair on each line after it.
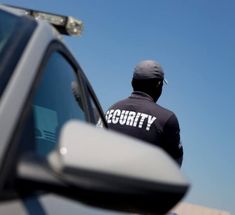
x,y
109,170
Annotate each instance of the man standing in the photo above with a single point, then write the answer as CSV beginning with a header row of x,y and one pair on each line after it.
x,y
139,116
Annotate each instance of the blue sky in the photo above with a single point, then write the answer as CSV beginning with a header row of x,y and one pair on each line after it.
x,y
195,42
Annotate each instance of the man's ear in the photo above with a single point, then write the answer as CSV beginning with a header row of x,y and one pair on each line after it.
x,y
159,83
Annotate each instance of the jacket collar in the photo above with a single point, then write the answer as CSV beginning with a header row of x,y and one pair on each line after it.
x,y
141,95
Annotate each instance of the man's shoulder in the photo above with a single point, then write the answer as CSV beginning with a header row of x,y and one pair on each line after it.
x,y
165,112
164,109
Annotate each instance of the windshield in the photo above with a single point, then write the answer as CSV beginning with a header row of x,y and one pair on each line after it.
x,y
7,24
15,32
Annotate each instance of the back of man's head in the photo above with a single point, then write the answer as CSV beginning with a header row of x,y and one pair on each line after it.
x,y
148,77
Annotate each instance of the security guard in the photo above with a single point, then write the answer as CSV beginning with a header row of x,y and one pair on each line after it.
x,y
139,115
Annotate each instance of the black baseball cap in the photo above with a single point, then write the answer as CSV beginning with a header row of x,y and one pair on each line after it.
x,y
149,69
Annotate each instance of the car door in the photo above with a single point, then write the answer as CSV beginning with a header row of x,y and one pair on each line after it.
x,y
60,92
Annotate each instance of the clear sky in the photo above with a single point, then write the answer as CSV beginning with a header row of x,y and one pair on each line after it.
x,y
194,40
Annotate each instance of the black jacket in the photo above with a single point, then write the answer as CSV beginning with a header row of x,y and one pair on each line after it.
x,y
139,116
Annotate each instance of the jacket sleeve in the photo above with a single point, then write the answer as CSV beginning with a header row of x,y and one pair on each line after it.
x,y
171,139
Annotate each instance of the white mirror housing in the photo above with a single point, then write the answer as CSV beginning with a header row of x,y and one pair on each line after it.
x,y
103,161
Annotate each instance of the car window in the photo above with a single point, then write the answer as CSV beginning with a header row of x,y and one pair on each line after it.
x,y
57,100
7,24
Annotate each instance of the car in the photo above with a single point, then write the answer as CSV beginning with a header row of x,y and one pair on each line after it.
x,y
57,155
